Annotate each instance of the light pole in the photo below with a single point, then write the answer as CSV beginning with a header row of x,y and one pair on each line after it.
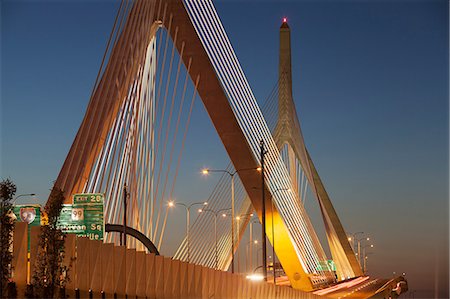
x,y
257,256
21,195
215,213
248,254
188,209
360,257
263,210
352,238
364,256
231,174
238,218
251,241
358,242
12,204
125,195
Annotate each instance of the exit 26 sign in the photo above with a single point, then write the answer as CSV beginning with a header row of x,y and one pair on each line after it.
x,y
84,217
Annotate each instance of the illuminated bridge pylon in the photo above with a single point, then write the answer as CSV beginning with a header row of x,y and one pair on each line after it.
x,y
281,117
161,55
289,138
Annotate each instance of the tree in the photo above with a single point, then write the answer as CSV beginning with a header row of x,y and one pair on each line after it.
x,y
7,191
49,271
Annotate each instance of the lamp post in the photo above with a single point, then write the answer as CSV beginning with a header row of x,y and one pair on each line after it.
x,y
238,218
215,213
257,256
358,242
188,209
12,204
251,241
352,239
248,254
125,195
263,210
364,256
360,257
21,195
231,174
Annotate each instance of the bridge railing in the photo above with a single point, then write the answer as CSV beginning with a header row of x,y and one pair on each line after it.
x,y
103,270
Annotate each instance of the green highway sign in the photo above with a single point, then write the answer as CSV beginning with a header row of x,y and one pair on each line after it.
x,y
84,217
88,198
30,214
328,265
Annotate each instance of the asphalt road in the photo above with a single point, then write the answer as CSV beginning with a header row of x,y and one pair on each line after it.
x,y
361,288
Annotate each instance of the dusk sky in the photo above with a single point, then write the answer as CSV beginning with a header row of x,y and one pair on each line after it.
x,y
370,83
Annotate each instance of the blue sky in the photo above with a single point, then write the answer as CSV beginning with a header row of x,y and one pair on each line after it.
x,y
371,90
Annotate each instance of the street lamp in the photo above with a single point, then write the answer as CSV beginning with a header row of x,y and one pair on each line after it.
x,y
358,242
215,213
251,241
359,246
263,152
188,209
248,254
206,171
352,238
238,218
364,256
361,256
21,195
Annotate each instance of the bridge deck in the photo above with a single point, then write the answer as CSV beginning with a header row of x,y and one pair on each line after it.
x,y
366,287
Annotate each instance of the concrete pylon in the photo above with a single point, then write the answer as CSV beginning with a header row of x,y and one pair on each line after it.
x,y
288,131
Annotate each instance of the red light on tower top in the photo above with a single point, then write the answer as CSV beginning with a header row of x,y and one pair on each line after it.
x,y
284,20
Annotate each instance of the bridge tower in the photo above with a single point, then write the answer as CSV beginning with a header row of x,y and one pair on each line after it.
x,y
125,134
288,132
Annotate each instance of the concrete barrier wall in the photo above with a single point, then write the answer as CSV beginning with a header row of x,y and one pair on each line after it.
x,y
101,270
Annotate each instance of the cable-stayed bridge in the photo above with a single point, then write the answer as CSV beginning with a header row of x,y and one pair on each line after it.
x,y
161,57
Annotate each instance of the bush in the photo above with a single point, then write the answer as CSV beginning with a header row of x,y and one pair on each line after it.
x,y
7,191
50,273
